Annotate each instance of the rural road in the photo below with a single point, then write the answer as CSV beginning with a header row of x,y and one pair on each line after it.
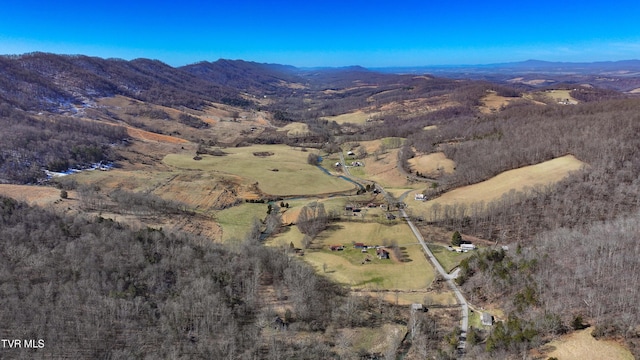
x,y
464,324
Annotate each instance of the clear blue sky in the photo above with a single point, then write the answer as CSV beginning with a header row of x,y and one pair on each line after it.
x,y
326,33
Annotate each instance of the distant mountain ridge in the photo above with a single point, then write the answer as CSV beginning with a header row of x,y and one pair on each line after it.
x,y
44,81
525,66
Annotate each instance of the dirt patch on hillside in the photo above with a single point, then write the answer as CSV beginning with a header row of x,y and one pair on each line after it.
x,y
290,216
149,136
494,102
263,153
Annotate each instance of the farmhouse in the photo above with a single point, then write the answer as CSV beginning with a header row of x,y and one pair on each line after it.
x,y
359,245
420,197
350,153
382,253
466,247
336,247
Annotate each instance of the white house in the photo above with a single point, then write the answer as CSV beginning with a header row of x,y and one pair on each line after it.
x,y
420,197
467,247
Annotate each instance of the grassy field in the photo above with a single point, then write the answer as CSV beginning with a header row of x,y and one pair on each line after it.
x,y
357,117
236,221
278,169
561,95
545,173
384,171
410,273
296,129
432,164
493,102
581,345
31,194
448,259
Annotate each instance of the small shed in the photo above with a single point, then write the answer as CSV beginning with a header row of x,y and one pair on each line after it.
x,y
418,307
487,319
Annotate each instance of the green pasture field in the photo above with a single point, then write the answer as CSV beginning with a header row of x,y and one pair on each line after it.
x,y
410,273
236,221
283,172
357,117
527,177
447,258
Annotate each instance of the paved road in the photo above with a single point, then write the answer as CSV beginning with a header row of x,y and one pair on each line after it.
x,y
464,324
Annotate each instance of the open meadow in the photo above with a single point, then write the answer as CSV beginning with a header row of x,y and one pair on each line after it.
x,y
356,117
432,165
581,345
546,173
278,169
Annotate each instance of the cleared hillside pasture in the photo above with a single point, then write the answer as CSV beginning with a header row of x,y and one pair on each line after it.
x,y
411,272
546,173
277,169
435,164
296,129
200,191
236,221
382,169
561,96
31,194
581,345
356,117
492,102
151,136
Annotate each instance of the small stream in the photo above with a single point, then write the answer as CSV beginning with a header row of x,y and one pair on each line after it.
x,y
341,177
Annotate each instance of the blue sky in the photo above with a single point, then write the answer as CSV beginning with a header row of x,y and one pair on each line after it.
x,y
326,33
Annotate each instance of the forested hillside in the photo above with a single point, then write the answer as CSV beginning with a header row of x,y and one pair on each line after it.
x,y
56,143
93,288
41,81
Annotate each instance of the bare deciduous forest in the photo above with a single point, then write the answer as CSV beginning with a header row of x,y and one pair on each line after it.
x,y
98,288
